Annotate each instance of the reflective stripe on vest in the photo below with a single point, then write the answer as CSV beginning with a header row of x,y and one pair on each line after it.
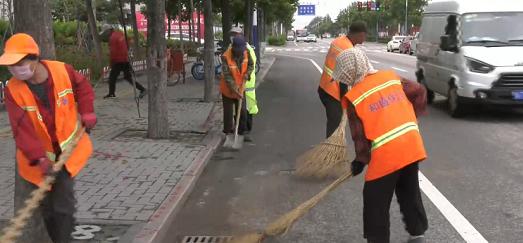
x,y
66,123
389,122
394,133
331,87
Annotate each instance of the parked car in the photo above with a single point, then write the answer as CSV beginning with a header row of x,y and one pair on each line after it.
x,y
311,38
290,37
301,38
405,45
394,43
471,52
414,44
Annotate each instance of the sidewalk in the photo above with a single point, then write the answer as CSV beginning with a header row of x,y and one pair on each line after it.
x,y
132,186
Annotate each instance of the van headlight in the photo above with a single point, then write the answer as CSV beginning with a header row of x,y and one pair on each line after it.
x,y
479,66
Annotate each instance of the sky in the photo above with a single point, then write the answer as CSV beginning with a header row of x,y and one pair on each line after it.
x,y
323,7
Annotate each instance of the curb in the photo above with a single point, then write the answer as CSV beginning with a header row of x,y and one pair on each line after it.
x,y
156,228
264,73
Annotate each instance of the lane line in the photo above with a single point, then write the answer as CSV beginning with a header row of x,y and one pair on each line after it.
x,y
399,69
375,62
453,216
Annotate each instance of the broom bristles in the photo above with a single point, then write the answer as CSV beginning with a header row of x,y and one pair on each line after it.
x,y
322,159
283,224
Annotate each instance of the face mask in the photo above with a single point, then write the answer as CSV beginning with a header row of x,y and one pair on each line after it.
x,y
21,72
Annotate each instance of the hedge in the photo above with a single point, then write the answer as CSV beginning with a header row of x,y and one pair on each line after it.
x,y
277,40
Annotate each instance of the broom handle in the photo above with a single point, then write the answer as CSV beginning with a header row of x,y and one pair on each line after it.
x,y
239,110
16,224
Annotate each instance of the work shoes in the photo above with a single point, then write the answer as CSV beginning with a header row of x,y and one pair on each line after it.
x,y
110,96
417,239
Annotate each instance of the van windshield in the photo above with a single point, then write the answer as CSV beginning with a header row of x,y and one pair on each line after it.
x,y
493,29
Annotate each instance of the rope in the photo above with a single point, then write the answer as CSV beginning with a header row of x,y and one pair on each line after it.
x,y
17,224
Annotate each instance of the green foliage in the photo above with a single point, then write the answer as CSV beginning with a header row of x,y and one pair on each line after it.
x,y
80,59
279,40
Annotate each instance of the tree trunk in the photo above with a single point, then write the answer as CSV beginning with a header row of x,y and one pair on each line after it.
x,y
169,20
33,18
96,37
247,29
209,52
158,122
180,28
199,24
226,22
190,28
192,22
136,33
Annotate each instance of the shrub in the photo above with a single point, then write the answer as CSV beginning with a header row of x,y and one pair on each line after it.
x,y
277,40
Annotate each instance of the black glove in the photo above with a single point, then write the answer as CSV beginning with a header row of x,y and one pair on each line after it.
x,y
356,167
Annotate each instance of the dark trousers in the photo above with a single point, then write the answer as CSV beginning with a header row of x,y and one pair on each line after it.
x,y
333,110
377,196
58,207
116,69
230,107
249,122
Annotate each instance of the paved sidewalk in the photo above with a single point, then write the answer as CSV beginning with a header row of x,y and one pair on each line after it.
x,y
132,185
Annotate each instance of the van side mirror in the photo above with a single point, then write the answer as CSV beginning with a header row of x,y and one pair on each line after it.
x,y
448,43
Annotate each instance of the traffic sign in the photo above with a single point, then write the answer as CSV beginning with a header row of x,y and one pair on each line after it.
x,y
307,10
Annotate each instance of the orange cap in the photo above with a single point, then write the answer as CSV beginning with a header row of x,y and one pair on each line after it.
x,y
17,47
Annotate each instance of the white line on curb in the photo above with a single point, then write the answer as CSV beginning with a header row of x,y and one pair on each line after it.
x,y
455,218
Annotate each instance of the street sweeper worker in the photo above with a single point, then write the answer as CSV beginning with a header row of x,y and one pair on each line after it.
x,y
237,69
382,111
47,102
331,90
250,85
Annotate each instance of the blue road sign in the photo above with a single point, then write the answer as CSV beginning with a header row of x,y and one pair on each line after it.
x,y
307,10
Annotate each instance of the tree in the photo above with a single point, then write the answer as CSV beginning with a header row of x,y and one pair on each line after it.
x,y
248,21
226,21
209,52
158,122
134,24
94,34
34,18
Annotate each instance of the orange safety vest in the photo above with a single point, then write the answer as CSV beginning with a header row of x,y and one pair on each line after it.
x,y
389,123
66,120
338,45
238,75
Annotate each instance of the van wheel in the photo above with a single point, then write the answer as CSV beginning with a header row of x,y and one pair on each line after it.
x,y
456,107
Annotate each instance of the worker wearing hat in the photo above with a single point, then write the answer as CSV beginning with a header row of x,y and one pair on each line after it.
x,y
331,90
119,60
250,85
237,70
47,102
382,111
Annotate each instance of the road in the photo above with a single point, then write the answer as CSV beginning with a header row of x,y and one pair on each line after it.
x,y
473,188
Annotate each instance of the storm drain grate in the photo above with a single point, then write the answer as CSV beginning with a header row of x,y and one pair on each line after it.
x,y
206,239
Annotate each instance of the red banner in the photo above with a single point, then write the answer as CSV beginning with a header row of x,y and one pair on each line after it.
x,y
141,20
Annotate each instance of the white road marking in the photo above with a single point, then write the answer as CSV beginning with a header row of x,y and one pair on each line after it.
x,y
455,218
375,62
399,69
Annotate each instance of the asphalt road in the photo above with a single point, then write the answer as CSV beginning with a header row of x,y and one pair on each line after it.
x,y
474,164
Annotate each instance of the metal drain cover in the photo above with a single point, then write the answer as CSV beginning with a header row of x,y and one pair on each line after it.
x,y
206,239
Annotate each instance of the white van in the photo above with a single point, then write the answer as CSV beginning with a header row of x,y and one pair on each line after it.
x,y
471,51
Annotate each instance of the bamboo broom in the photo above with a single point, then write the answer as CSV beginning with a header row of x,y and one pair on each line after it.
x,y
16,224
324,159
283,224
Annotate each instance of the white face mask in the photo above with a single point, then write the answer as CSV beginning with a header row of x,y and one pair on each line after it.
x,y
22,72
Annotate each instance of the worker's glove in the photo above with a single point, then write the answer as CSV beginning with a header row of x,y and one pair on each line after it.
x,y
89,121
356,167
45,165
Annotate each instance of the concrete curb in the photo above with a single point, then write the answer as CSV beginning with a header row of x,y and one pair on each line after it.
x,y
261,78
156,229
